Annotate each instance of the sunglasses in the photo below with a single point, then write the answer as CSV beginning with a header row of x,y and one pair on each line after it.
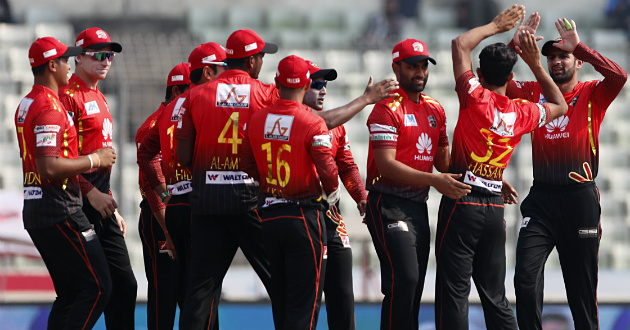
x,y
318,85
100,56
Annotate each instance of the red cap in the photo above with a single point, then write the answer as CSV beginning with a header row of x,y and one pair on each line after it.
x,y
206,54
293,72
244,43
96,38
317,72
411,51
179,75
551,43
48,48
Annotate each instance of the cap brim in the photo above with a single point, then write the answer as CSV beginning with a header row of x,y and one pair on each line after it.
x,y
116,47
269,48
547,47
327,74
72,51
415,59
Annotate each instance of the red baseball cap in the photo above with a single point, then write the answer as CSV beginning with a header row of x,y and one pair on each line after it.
x,y
551,43
96,38
317,72
179,75
293,72
48,48
244,43
411,51
206,54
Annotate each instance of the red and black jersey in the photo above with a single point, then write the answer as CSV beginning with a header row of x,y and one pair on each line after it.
x,y
567,143
145,188
45,129
214,116
415,131
94,125
288,150
488,129
348,169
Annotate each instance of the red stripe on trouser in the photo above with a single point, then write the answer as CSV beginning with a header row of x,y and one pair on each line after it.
x,y
153,256
321,254
439,250
210,318
87,262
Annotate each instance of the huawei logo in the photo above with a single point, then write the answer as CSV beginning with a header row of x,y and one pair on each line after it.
x,y
108,128
424,144
558,123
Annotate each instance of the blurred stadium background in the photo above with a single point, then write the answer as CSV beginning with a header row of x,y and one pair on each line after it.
x,y
157,34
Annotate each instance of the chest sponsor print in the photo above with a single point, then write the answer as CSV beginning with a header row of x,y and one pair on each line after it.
x,y
92,108
410,120
557,128
424,146
233,96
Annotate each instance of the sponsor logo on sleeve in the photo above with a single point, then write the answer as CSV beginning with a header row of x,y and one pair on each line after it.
x,y
47,128
32,193
410,120
228,177
233,96
278,127
322,141
588,232
48,139
177,110
92,108
23,109
380,132
473,83
503,123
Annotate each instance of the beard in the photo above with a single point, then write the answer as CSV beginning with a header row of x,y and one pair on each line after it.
x,y
561,78
419,87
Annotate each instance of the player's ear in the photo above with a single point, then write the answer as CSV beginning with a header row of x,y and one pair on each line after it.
x,y
78,59
578,64
308,85
479,75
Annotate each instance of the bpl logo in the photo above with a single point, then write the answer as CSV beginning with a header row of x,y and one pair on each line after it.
x,y
417,47
424,144
101,34
108,128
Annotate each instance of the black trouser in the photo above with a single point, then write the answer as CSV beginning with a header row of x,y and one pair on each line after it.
x,y
76,263
568,218
119,313
338,288
295,239
400,232
471,242
215,239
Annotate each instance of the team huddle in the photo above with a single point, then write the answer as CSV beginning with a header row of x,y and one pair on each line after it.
x,y
229,162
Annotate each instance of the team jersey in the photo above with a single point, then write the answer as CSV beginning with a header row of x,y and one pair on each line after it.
x,y
45,129
161,139
214,116
564,145
488,129
348,169
145,187
416,131
288,150
90,112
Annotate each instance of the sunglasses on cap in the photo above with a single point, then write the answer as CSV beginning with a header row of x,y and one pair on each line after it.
x,y
318,85
100,56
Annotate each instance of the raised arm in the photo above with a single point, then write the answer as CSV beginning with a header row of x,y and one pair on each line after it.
x,y
463,45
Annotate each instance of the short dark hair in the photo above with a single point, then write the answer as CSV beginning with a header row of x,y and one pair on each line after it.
x,y
195,75
236,63
496,62
169,90
41,69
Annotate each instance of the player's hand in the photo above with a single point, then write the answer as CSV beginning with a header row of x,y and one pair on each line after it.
x,y
121,223
508,193
531,25
105,157
528,50
103,203
160,216
334,215
171,247
447,185
508,19
568,33
377,93
361,206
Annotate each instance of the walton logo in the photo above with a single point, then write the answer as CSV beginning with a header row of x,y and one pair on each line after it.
x,y
503,123
213,177
278,127
559,123
233,96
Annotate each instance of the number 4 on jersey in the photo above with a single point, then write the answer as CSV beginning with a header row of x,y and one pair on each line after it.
x,y
234,140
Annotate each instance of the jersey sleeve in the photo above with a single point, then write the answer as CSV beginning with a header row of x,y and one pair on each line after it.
x,y
48,133
155,203
70,104
248,161
148,159
533,115
615,77
186,127
319,145
348,169
85,185
469,89
383,126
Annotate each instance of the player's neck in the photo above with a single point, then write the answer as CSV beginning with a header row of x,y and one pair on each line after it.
x,y
90,82
413,96
495,89
47,81
568,86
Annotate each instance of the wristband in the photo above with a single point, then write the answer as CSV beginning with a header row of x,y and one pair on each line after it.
x,y
97,157
164,194
91,162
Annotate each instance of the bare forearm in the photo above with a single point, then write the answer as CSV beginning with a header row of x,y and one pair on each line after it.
x,y
548,87
399,172
60,168
341,115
